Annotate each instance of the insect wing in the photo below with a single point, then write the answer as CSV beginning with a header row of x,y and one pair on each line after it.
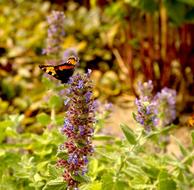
x,y
64,71
48,69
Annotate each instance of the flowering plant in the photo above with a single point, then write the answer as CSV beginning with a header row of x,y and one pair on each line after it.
x,y
155,111
78,128
55,32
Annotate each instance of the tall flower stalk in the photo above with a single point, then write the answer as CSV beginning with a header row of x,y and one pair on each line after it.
x,y
55,38
78,128
155,111
55,33
147,113
166,105
145,89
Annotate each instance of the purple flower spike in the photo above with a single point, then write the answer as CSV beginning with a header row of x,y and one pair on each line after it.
x,y
146,115
145,89
166,105
78,127
55,32
155,111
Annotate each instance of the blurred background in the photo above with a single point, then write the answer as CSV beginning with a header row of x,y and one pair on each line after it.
x,y
123,42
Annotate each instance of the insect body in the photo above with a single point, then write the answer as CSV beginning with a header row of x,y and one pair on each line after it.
x,y
61,72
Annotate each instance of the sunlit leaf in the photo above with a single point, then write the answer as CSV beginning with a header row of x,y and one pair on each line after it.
x,y
55,101
43,118
57,184
129,134
165,181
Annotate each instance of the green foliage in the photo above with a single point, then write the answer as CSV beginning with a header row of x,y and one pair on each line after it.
x,y
24,157
43,118
165,181
179,11
146,5
192,135
57,184
55,102
128,134
28,161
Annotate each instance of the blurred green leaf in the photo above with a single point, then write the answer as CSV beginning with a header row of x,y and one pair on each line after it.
x,y
55,101
129,134
176,11
3,126
183,150
189,2
59,120
81,178
57,184
103,137
43,118
189,17
165,181
192,136
107,181
96,185
145,5
53,172
48,83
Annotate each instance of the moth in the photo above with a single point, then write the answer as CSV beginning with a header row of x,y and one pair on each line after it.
x,y
61,72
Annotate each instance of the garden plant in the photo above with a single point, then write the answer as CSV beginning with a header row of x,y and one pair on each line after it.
x,y
63,69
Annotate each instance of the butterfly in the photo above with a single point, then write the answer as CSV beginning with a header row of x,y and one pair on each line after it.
x,y
61,72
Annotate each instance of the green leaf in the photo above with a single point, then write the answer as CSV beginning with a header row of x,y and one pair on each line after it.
x,y
142,186
37,177
96,185
145,5
63,154
107,181
120,185
47,82
81,178
43,118
93,166
110,182
192,136
134,116
165,181
190,15
55,101
103,137
6,123
3,125
176,11
59,120
183,150
165,130
129,134
189,2
53,171
57,184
